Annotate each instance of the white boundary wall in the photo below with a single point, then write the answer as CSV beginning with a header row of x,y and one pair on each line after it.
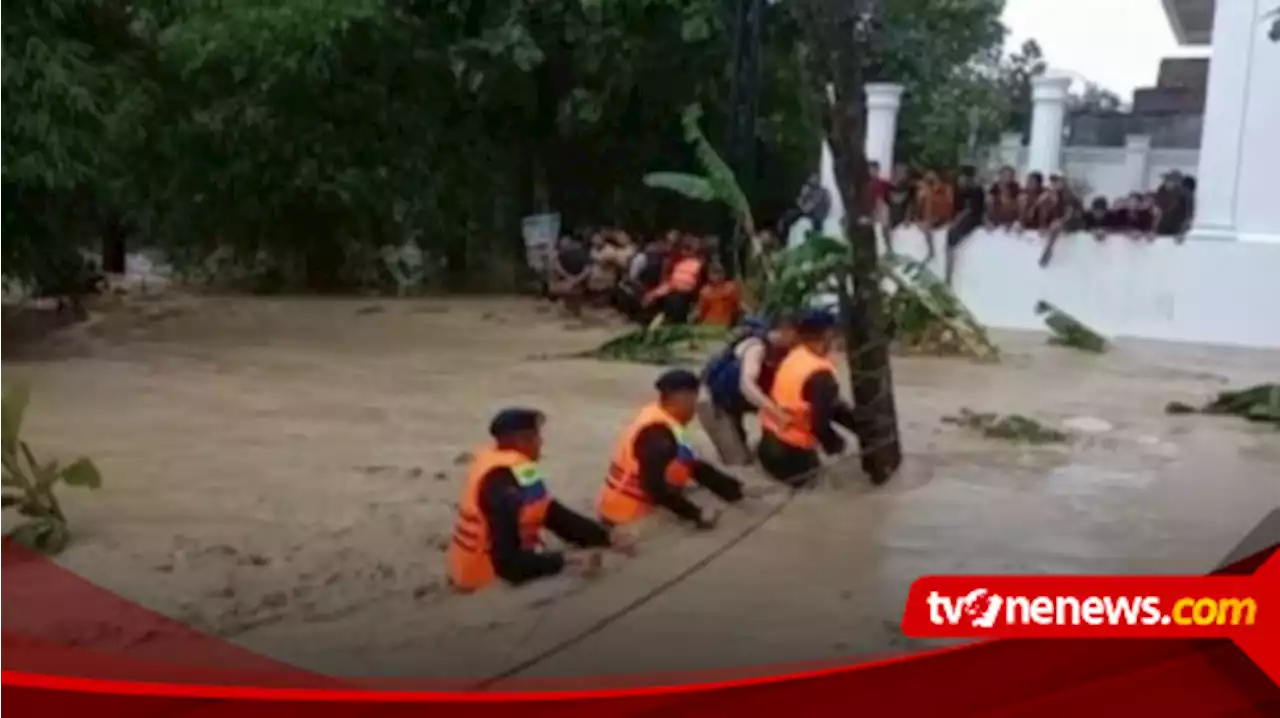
x,y
1198,291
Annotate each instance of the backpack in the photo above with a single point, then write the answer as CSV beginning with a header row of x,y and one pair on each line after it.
x,y
723,373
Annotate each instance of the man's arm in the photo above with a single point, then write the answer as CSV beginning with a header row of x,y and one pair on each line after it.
x,y
751,356
500,504
822,392
572,527
717,482
656,448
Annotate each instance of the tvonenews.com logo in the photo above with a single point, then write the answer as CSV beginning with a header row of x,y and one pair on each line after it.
x,y
981,608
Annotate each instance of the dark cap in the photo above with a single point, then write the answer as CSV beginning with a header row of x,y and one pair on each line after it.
x,y
677,380
515,420
815,321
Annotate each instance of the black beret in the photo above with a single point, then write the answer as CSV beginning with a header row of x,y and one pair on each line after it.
x,y
515,420
815,321
674,380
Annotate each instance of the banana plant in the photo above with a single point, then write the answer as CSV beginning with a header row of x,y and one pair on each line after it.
x,y
717,183
29,483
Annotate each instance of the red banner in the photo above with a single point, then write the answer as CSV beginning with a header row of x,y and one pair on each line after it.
x,y
1077,650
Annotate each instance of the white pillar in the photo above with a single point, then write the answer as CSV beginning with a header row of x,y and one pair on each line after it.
x,y
1011,150
1137,162
883,101
1235,189
1048,117
1220,139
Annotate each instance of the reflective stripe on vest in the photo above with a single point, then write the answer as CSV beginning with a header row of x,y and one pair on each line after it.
x,y
623,498
470,563
788,393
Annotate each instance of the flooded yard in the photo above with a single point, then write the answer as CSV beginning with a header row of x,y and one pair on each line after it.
x,y
283,473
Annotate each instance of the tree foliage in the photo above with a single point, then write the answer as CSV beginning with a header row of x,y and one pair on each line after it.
x,y
302,137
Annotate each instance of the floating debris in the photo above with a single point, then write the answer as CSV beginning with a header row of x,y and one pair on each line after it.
x,y
1259,403
1012,427
1069,331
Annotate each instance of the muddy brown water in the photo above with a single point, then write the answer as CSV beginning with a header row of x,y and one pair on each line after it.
x,y
283,472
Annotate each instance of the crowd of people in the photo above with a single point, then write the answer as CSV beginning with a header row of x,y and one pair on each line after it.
x,y
672,274
961,204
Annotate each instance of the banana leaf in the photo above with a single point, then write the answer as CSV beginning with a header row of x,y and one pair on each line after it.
x,y
927,312
1259,403
1069,331
659,344
716,170
691,186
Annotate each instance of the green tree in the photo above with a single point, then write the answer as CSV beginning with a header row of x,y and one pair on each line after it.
x,y
946,54
1094,98
303,135
1016,74
67,91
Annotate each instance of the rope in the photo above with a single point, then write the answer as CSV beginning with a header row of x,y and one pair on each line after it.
x,y
655,592
645,598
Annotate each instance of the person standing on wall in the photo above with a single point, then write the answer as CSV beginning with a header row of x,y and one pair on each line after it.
x,y
970,211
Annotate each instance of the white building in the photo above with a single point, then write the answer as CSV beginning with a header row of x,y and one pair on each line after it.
x,y
1221,286
1240,147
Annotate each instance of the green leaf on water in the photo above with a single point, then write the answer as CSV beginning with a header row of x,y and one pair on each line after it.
x,y
82,472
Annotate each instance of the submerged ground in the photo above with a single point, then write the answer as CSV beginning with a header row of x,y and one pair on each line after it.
x,y
283,473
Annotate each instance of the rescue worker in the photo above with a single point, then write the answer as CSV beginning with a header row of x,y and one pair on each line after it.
x,y
677,296
808,393
653,462
505,507
739,380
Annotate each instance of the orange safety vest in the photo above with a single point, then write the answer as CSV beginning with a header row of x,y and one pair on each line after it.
x,y
788,393
470,562
683,278
623,498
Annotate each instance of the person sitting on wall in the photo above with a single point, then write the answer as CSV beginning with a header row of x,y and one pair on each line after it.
x,y
1003,199
1173,205
1031,204
1062,213
936,206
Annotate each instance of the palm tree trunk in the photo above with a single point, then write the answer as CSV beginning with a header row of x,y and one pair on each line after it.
x,y
840,32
